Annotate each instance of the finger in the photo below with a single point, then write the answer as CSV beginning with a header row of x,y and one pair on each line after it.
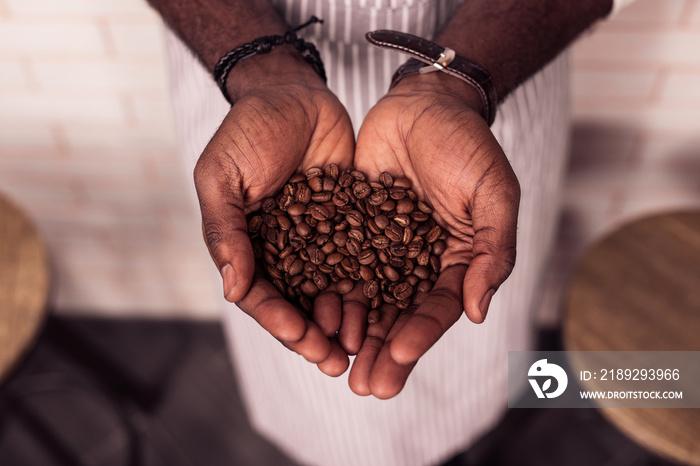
x,y
495,217
367,355
327,311
225,228
440,309
284,322
337,362
354,323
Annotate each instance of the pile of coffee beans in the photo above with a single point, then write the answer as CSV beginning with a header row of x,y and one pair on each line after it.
x,y
326,227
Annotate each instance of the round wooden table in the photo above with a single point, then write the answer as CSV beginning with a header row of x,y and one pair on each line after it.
x,y
24,284
639,290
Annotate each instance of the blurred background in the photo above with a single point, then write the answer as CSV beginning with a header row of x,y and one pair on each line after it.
x,y
88,149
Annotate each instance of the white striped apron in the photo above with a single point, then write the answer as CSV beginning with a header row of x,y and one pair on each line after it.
x,y
457,391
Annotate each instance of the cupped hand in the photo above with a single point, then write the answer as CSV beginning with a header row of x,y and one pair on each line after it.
x,y
271,132
428,128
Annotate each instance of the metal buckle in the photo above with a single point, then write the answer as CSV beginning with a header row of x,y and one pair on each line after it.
x,y
446,57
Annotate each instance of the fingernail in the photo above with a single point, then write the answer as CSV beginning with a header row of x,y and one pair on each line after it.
x,y
485,301
230,280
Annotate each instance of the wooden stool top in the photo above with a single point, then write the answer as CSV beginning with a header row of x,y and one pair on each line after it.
x,y
24,284
639,290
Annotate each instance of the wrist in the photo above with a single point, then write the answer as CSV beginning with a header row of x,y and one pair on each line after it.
x,y
442,84
281,66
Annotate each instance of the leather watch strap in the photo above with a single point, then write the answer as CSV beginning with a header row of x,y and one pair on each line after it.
x,y
425,52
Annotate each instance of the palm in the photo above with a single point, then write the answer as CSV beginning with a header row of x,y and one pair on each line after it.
x,y
455,164
263,140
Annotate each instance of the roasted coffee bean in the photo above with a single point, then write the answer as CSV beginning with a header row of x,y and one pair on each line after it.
x,y
386,179
398,249
423,258
296,209
296,267
373,316
340,238
269,205
328,184
361,189
345,286
394,232
366,273
316,184
329,248
297,178
316,255
282,237
353,246
303,193
380,242
366,256
345,180
435,263
403,291
424,286
421,272
340,271
407,235
434,234
269,258
343,225
350,264
341,198
304,230
313,171
325,268
373,227
354,218
358,175
334,258
324,196
439,247
378,197
397,193
404,206
382,221
391,273
310,267
371,289
286,252
284,223
322,239
321,280
324,227
254,225
383,256
419,216
421,230
403,304
331,171
271,247
402,220
388,297
412,280
388,206
356,234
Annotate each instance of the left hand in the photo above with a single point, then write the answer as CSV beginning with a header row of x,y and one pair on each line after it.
x,y
428,128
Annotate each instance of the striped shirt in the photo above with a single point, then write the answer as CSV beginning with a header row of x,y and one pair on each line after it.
x,y
458,390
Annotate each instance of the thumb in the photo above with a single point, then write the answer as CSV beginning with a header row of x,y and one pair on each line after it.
x,y
225,232
495,230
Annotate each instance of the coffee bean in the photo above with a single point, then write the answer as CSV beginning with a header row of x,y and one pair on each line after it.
x,y
419,216
313,171
316,255
394,232
304,230
286,252
328,184
439,247
354,218
388,298
423,258
402,220
435,264
380,242
345,286
391,273
341,198
316,184
361,189
366,256
353,246
404,183
378,197
340,238
358,175
334,258
403,304
254,225
398,249
324,227
350,264
386,179
403,291
424,286
329,248
269,205
356,234
421,272
434,234
321,280
366,273
324,196
412,280
371,289
296,209
388,206
331,171
345,180
407,235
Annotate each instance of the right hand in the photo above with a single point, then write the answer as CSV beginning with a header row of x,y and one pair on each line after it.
x,y
280,124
